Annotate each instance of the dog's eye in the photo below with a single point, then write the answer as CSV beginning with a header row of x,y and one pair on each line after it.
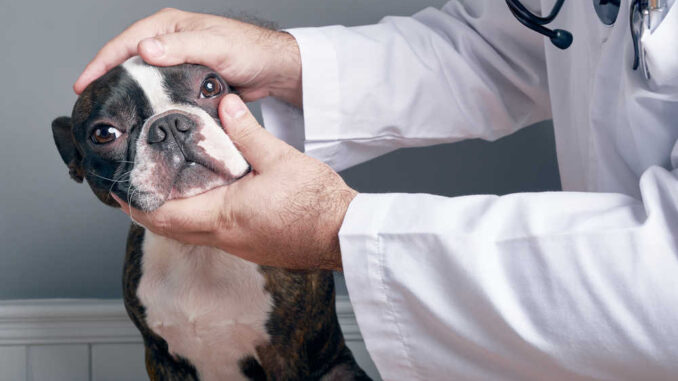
x,y
211,87
105,134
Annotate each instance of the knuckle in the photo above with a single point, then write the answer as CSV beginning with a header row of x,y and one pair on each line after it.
x,y
108,50
168,10
246,133
162,225
225,221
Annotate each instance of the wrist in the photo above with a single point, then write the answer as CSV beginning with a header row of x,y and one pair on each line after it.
x,y
344,198
286,82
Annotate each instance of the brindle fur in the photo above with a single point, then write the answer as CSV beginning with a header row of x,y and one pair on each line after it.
x,y
306,339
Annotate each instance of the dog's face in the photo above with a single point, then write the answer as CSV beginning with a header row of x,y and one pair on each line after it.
x,y
149,134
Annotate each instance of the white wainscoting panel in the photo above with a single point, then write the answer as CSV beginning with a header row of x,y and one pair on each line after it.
x,y
13,363
107,360
94,340
58,362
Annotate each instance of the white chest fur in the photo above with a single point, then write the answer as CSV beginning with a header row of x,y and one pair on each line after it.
x,y
210,306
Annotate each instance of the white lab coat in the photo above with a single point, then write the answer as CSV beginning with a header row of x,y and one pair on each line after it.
x,y
580,284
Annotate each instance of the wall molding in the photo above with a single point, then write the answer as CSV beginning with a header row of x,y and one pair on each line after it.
x,y
94,321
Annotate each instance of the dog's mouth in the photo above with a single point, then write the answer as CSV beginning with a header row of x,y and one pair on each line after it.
x,y
197,176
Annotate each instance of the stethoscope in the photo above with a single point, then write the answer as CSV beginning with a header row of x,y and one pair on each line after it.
x,y
639,20
559,37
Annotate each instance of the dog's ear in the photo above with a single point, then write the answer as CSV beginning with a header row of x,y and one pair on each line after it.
x,y
63,137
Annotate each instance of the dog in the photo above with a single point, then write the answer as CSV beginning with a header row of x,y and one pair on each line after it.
x,y
152,134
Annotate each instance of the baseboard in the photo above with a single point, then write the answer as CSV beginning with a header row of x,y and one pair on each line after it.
x,y
93,321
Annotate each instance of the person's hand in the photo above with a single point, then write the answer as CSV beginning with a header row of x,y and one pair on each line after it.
x,y
286,213
255,60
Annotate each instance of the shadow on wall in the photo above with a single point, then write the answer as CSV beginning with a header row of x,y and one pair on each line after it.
x,y
522,162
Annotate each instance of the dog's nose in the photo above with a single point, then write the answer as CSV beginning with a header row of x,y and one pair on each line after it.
x,y
175,123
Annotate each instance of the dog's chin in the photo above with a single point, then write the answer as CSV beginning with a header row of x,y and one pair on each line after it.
x,y
190,180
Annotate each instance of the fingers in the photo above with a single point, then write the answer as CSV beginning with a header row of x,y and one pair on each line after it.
x,y
124,46
258,146
111,55
198,47
181,218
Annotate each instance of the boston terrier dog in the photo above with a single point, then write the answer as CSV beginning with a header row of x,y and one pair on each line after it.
x,y
149,135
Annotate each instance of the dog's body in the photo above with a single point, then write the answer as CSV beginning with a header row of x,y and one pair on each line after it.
x,y
150,135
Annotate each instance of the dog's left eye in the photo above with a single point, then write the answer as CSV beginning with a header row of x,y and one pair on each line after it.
x,y
105,134
211,87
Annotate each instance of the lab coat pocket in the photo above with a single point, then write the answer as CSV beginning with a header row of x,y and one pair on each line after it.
x,y
661,49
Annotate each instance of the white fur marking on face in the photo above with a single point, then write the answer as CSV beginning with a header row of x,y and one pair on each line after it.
x,y
151,82
210,306
214,142
145,169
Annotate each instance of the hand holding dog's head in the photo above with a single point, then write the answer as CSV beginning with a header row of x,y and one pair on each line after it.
x,y
149,134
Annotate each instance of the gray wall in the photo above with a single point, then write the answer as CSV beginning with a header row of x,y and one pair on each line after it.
x,y
58,241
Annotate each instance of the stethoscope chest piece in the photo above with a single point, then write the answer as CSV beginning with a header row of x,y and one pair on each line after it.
x,y
607,10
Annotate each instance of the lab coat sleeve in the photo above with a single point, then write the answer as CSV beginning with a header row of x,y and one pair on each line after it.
x,y
543,286
469,70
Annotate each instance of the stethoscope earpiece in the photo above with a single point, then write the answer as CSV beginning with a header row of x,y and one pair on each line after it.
x,y
561,38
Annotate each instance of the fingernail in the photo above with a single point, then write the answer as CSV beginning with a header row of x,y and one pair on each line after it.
x,y
234,107
153,47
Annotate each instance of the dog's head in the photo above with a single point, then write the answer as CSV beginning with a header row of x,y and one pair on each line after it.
x,y
149,134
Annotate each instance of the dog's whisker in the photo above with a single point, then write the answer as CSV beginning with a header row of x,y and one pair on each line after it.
x,y
117,182
122,178
101,177
130,188
129,200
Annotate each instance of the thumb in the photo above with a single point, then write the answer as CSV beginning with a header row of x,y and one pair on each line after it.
x,y
260,147
183,47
